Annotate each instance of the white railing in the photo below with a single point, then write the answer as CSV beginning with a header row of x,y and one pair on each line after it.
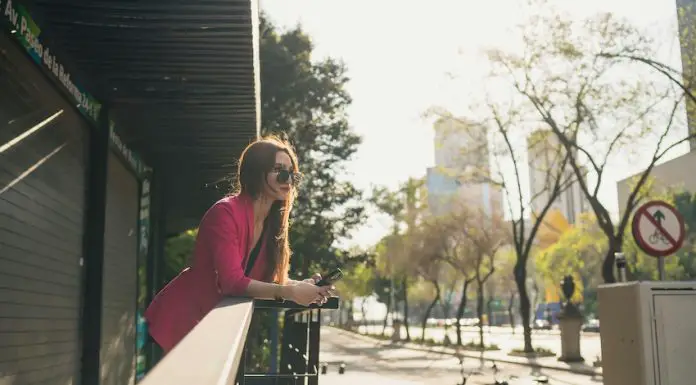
x,y
211,353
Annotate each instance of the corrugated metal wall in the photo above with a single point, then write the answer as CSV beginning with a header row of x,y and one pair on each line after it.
x,y
42,195
120,276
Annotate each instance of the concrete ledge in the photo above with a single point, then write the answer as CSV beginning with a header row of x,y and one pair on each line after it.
x,y
551,363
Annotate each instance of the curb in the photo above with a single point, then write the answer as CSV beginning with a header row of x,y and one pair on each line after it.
x,y
464,353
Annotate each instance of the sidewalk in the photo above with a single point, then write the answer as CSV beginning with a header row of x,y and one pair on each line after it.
x,y
352,378
499,356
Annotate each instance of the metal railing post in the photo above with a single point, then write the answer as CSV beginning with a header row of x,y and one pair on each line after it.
x,y
314,336
293,358
299,358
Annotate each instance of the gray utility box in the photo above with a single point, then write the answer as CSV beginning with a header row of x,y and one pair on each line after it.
x,y
648,332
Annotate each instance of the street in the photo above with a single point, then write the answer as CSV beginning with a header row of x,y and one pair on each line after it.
x,y
376,362
590,343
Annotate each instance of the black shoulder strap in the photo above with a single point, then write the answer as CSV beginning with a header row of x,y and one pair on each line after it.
x,y
254,253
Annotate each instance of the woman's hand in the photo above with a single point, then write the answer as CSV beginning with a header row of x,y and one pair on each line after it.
x,y
306,293
315,279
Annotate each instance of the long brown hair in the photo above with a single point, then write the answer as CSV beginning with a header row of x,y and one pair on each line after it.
x,y
257,160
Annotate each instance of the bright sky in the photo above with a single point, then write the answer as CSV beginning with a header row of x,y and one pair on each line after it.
x,y
406,56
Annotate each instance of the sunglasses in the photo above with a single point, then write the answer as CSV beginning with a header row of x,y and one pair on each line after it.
x,y
285,176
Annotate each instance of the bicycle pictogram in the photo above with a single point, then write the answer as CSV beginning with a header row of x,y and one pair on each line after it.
x,y
658,237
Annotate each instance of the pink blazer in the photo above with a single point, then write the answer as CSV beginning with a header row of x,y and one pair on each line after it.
x,y
223,244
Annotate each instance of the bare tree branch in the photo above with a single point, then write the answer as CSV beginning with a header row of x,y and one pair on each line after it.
x,y
664,69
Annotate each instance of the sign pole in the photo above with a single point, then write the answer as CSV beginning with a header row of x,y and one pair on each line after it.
x,y
661,268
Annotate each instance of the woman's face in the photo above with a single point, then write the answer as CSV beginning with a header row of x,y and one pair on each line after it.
x,y
274,188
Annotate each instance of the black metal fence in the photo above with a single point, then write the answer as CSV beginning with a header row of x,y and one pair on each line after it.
x,y
294,356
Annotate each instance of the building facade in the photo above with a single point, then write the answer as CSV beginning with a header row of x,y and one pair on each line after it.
x,y
686,17
462,159
673,174
544,158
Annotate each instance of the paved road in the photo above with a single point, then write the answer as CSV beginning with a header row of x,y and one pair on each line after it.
x,y
590,343
369,362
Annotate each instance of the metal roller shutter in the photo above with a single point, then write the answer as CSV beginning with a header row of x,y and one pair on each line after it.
x,y
42,197
120,275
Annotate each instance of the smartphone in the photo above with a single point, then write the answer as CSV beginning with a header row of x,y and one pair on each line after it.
x,y
330,278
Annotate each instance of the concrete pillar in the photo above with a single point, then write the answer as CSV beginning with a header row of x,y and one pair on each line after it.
x,y
570,324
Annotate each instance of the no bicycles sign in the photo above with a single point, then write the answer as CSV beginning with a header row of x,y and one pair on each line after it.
x,y
658,229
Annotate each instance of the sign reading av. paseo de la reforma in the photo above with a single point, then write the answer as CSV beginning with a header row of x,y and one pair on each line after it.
x,y
23,28
27,32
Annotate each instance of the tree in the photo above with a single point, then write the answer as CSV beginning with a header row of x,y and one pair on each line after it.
x,y
578,252
426,255
305,100
356,283
384,286
392,204
405,206
684,79
595,105
484,236
464,264
503,123
685,203
505,280
454,251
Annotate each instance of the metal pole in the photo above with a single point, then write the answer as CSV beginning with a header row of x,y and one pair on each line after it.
x,y
275,340
391,296
620,260
661,268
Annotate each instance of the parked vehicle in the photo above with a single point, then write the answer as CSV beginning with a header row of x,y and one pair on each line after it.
x,y
592,326
541,324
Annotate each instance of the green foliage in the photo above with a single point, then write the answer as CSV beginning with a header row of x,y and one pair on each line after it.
x,y
685,203
504,278
579,250
258,342
305,100
357,282
178,251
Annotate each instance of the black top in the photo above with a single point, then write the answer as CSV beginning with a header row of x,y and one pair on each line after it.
x,y
254,254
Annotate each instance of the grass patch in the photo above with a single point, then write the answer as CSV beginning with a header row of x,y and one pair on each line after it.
x,y
471,346
475,346
538,353
380,336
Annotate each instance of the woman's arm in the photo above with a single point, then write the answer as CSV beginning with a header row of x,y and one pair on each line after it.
x,y
264,290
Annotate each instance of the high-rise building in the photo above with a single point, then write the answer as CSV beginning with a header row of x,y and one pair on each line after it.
x,y
686,17
462,166
460,144
545,157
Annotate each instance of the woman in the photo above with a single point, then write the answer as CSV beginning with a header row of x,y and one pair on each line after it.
x,y
241,249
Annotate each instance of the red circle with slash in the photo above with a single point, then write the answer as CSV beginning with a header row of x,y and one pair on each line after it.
x,y
658,229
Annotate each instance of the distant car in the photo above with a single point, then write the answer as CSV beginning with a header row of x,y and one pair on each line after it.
x,y
542,324
591,326
469,322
